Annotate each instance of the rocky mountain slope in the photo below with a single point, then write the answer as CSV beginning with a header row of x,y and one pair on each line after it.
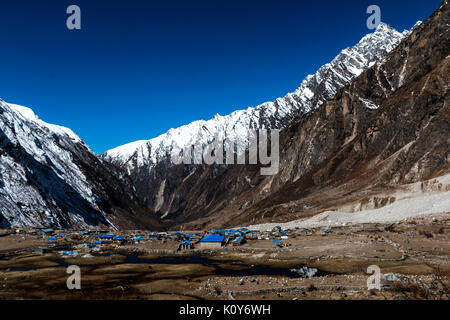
x,y
50,178
374,119
388,127
160,186
142,156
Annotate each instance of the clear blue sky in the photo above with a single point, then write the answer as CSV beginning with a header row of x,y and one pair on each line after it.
x,y
139,68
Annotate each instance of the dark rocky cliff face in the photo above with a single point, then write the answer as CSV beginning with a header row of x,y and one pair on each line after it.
x,y
117,196
389,126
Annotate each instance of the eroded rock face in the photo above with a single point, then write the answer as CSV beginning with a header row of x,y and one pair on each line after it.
x,y
348,148
389,126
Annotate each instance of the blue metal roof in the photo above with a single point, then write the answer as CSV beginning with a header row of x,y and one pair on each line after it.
x,y
239,240
213,238
106,236
219,231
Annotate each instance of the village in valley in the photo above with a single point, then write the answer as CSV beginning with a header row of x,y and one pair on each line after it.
x,y
276,262
83,242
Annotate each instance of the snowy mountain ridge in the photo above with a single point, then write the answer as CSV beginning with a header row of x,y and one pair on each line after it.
x,y
37,171
312,92
29,115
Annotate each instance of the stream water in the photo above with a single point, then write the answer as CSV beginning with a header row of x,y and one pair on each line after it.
x,y
229,268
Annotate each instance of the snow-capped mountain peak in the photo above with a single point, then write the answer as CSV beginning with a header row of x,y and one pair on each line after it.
x,y
29,115
40,183
50,178
312,92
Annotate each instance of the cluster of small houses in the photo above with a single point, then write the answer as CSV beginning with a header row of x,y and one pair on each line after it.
x,y
215,238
